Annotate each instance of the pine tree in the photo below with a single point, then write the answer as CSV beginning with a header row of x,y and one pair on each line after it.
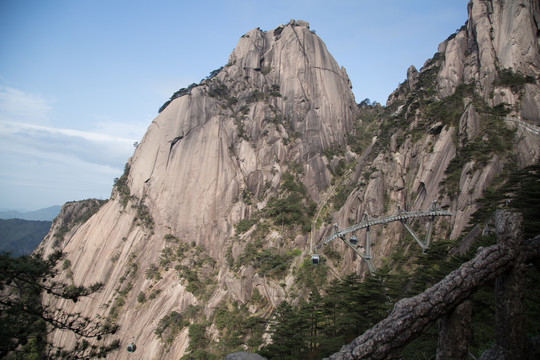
x,y
289,331
25,321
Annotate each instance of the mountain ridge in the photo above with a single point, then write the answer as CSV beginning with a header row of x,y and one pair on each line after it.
x,y
45,214
215,206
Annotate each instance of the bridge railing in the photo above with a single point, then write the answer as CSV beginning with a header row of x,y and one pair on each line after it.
x,y
367,223
385,220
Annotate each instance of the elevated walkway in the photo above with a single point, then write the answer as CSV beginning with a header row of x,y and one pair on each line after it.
x,y
367,223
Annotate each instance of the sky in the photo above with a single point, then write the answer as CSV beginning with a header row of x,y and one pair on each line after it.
x,y
81,80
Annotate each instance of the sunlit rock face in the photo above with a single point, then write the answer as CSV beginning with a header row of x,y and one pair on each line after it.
x,y
498,35
206,147
219,152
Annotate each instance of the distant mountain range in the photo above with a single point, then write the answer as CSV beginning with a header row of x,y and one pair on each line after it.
x,y
46,214
22,231
21,237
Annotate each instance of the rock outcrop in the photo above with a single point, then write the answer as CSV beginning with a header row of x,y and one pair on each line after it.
x,y
490,62
72,216
281,98
212,213
498,35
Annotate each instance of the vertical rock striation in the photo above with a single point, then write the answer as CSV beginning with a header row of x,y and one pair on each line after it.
x,y
207,146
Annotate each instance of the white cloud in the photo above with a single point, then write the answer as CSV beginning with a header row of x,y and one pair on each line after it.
x,y
18,105
9,127
41,141
40,162
133,131
47,166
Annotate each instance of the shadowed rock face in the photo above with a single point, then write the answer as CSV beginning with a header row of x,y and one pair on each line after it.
x,y
217,155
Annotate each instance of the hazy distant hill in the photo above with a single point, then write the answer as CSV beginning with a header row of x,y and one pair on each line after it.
x,y
46,214
20,237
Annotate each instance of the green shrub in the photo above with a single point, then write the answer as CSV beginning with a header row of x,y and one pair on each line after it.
x,y
194,284
116,307
244,225
277,32
255,96
287,210
166,257
213,73
291,206
270,263
66,264
143,215
237,327
247,257
229,257
121,186
197,337
510,79
180,93
169,326
153,273
154,294
170,238
218,90
141,298
309,276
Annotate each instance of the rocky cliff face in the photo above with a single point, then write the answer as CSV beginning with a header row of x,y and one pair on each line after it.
x,y
281,98
212,158
72,215
489,68
241,175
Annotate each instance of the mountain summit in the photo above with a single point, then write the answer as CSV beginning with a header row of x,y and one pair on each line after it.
x,y
281,99
240,177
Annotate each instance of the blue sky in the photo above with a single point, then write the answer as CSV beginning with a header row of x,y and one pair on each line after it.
x,y
81,80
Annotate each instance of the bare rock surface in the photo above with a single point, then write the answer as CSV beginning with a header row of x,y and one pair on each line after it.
x,y
498,35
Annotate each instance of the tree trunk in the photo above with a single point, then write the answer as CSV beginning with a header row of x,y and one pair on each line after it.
x,y
510,293
511,339
454,333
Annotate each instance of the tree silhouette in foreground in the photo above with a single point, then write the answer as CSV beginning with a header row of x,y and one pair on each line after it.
x,y
25,320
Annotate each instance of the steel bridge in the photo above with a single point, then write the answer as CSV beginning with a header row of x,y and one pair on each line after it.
x,y
367,222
